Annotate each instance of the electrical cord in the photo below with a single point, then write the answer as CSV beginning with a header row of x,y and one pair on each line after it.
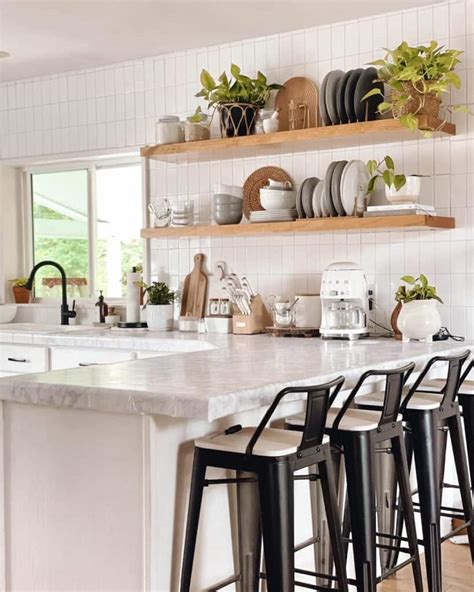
x,y
444,333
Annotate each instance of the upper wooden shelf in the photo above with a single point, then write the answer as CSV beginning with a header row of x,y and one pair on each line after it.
x,y
343,223
335,136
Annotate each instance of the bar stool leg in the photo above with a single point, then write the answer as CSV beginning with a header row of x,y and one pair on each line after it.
x,y
328,486
426,452
460,460
194,509
248,504
359,452
467,404
275,481
406,503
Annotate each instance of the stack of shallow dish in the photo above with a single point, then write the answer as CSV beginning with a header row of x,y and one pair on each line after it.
x,y
334,195
228,204
278,199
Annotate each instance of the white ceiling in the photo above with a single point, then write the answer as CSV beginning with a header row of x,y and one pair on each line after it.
x,y
47,36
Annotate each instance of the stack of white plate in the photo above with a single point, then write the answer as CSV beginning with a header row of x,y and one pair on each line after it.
x,y
273,216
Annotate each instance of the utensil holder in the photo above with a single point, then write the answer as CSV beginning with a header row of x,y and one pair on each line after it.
x,y
253,323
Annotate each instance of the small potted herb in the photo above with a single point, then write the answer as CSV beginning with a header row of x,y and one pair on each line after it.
x,y
159,306
398,187
196,127
21,294
417,76
419,317
238,99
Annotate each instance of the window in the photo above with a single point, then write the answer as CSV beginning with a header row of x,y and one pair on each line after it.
x,y
88,220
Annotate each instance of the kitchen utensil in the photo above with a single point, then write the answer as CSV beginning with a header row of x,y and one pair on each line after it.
x,y
303,92
307,196
257,180
224,216
160,214
366,110
336,187
246,284
333,81
233,190
273,216
354,181
340,93
193,303
221,199
253,323
182,214
324,211
349,94
317,199
325,119
329,206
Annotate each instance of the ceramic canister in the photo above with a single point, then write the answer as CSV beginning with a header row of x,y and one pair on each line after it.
x,y
308,310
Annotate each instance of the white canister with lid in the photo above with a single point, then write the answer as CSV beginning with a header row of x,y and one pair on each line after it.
x,y
308,310
169,130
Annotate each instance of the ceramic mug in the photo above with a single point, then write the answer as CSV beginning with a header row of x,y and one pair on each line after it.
x,y
308,310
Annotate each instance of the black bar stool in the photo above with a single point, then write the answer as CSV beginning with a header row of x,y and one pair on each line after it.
x,y
428,417
273,455
357,433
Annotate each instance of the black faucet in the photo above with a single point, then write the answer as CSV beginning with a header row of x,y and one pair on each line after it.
x,y
66,314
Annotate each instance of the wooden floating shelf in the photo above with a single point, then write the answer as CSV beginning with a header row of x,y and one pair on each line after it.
x,y
345,223
382,131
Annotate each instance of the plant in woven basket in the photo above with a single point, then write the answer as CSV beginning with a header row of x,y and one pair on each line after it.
x,y
417,76
237,98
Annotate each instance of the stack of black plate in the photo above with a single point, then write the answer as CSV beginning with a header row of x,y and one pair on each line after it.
x,y
340,98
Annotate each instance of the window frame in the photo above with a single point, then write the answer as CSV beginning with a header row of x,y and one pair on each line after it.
x,y
91,166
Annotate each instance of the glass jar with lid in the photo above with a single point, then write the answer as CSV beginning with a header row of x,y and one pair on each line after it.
x,y
169,130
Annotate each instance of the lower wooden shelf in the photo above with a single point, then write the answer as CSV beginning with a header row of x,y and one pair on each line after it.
x,y
346,223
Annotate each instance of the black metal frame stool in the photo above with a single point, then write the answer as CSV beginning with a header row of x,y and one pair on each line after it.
x,y
358,434
273,455
428,417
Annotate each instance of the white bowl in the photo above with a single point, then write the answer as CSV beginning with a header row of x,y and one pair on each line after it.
x,y
276,199
234,190
7,313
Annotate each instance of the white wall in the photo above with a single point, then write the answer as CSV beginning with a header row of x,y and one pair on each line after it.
x,y
10,229
115,108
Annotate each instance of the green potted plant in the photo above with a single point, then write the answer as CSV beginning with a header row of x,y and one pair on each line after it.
x,y
238,99
21,294
197,127
159,306
419,317
398,187
417,77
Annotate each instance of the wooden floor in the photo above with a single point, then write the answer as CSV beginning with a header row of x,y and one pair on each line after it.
x,y
458,573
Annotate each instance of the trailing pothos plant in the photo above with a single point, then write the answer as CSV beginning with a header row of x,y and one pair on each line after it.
x,y
413,74
387,174
236,88
418,289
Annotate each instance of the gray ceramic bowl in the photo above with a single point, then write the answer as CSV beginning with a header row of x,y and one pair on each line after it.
x,y
221,199
228,208
226,217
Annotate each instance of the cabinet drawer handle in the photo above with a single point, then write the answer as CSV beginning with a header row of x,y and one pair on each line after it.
x,y
85,364
19,360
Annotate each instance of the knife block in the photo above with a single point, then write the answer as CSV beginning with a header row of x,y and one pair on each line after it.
x,y
253,323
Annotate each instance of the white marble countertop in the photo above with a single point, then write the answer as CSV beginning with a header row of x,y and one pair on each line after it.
x,y
228,375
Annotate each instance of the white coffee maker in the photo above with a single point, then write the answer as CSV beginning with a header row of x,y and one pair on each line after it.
x,y
344,302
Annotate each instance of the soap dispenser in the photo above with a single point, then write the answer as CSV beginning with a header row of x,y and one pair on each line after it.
x,y
103,308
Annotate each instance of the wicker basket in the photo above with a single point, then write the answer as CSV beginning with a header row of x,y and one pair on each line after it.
x,y
237,119
418,104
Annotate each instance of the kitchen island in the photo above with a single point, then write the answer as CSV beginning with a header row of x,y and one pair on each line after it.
x,y
97,459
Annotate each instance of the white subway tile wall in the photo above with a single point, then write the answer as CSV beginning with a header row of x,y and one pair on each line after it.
x,y
117,107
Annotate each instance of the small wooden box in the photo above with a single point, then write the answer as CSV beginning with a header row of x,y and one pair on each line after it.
x,y
253,323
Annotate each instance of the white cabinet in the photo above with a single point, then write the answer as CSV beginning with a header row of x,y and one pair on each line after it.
x,y
70,357
23,359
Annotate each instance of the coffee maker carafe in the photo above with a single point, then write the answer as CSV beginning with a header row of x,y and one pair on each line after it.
x,y
344,302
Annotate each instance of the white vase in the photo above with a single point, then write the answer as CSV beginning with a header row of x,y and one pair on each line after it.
x,y
419,319
409,193
159,317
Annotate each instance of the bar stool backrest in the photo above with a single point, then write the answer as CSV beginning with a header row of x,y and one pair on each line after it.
x,y
453,378
317,404
394,381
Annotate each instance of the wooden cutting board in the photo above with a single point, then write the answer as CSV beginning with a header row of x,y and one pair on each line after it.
x,y
193,303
